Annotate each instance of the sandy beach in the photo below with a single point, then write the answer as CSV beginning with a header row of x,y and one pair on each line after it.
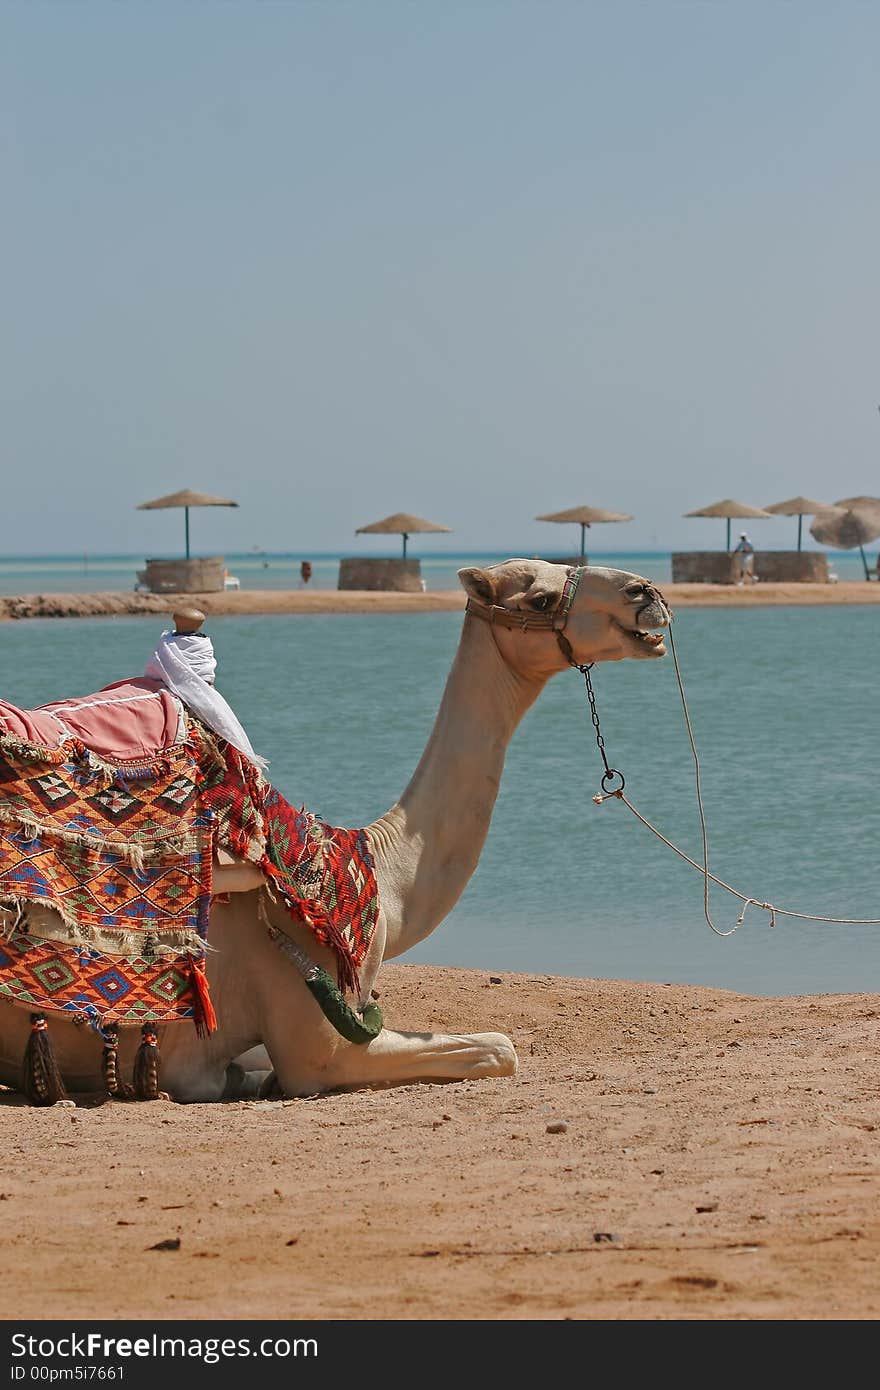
x,y
664,1152
256,601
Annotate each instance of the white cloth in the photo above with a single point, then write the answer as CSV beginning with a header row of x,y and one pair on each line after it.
x,y
185,664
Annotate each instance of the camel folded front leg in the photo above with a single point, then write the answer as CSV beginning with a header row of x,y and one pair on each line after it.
x,y
247,1075
394,1059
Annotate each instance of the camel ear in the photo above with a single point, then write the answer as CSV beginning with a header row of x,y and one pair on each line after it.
x,y
479,585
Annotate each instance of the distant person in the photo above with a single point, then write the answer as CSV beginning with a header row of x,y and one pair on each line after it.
x,y
305,571
746,552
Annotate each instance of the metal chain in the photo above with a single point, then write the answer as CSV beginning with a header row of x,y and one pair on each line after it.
x,y
610,772
617,792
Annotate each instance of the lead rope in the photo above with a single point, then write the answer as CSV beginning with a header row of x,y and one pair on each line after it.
x,y
609,791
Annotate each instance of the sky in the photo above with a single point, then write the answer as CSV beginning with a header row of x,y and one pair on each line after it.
x,y
472,259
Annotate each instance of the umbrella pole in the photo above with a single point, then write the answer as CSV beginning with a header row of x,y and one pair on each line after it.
x,y
800,528
186,514
583,541
865,561
405,539
728,535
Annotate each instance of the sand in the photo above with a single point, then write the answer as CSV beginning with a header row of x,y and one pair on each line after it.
x,y
664,1152
254,601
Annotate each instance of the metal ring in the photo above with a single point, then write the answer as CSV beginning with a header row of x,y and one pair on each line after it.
x,y
608,777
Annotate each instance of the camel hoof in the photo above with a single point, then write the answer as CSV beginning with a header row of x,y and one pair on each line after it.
x,y
270,1089
242,1084
499,1058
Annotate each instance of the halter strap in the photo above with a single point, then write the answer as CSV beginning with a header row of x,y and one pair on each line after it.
x,y
527,621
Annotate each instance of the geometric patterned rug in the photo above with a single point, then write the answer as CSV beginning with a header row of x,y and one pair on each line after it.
x,y
123,854
324,874
96,887
49,975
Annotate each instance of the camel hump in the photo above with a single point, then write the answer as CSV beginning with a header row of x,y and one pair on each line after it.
x,y
188,620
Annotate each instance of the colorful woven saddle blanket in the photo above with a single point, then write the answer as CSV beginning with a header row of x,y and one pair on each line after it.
x,y
108,832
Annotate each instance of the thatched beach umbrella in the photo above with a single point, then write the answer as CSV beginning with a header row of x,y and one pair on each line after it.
x,y
848,527
729,508
186,499
799,507
861,504
585,516
401,524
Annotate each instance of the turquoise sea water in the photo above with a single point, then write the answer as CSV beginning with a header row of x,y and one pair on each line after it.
x,y
784,707
94,573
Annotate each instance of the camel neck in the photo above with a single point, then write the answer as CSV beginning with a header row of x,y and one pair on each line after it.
x,y
427,846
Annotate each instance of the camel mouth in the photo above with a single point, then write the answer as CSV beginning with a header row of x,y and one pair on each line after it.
x,y
644,643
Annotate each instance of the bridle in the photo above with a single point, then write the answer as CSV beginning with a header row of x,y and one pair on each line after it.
x,y
555,622
528,621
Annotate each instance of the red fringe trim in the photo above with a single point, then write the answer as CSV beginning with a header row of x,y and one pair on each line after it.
x,y
204,1016
326,931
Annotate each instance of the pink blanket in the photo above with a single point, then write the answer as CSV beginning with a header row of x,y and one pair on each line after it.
x,y
124,722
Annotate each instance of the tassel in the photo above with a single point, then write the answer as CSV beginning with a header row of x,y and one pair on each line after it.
x,y
42,1079
110,1064
204,1016
146,1065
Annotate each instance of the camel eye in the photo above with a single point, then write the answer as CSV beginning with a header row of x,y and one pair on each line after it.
x,y
541,602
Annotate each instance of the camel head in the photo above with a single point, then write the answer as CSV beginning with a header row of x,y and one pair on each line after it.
x,y
612,615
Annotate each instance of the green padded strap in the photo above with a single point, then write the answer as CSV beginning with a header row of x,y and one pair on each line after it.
x,y
356,1028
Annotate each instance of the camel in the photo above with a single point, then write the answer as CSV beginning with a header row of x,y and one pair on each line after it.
x,y
526,620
